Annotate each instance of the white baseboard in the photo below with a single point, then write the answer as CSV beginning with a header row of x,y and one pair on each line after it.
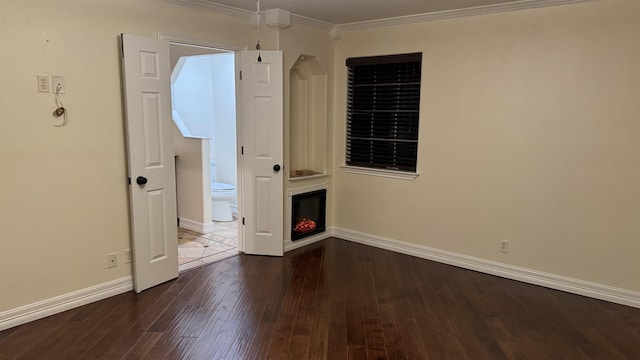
x,y
292,245
201,228
58,304
553,281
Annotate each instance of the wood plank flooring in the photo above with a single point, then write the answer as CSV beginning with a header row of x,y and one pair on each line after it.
x,y
334,300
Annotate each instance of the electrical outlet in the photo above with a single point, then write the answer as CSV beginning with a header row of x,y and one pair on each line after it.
x,y
44,83
128,256
112,260
58,84
504,246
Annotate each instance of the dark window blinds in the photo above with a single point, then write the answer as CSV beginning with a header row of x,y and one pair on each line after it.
x,y
383,103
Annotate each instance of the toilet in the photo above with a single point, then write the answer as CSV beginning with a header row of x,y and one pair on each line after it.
x,y
221,195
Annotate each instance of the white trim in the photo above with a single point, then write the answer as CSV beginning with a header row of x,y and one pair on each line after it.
x,y
394,174
213,6
306,189
307,177
288,243
303,20
58,304
436,15
187,40
201,228
246,14
553,281
292,245
456,13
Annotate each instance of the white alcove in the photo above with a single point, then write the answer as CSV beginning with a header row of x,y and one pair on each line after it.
x,y
308,118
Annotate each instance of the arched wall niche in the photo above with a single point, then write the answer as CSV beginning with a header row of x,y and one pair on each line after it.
x,y
308,118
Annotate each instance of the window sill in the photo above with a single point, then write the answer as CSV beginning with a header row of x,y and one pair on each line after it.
x,y
394,174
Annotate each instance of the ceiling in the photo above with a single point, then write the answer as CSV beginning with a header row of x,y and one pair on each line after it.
x,y
354,11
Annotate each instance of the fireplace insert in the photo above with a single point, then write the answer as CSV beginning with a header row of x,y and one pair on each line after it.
x,y
308,214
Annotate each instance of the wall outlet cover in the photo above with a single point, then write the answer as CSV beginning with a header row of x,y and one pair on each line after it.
x,y
44,83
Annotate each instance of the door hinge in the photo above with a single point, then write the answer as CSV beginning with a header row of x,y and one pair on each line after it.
x,y
240,74
242,150
243,221
122,53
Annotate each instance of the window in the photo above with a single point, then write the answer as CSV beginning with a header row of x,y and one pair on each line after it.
x,y
383,107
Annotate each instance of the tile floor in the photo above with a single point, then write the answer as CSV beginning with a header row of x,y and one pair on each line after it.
x,y
196,249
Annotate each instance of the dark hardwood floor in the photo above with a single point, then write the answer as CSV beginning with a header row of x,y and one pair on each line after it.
x,y
334,300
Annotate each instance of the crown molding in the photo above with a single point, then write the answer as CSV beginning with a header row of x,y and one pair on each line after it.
x,y
447,14
213,6
303,20
399,20
246,14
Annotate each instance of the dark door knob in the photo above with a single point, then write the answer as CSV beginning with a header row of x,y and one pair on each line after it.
x,y
276,167
141,180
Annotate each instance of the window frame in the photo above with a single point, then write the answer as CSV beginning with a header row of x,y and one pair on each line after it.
x,y
383,92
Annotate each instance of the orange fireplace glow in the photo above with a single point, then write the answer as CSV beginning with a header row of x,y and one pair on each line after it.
x,y
304,225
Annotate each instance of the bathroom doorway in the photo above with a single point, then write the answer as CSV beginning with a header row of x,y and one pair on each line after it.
x,y
203,109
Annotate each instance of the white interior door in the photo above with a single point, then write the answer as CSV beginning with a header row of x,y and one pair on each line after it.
x,y
260,114
151,163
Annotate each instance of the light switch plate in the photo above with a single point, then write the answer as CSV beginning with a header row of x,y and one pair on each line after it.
x,y
58,84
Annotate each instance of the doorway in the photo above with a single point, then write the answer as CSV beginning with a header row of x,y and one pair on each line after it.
x,y
203,109
147,93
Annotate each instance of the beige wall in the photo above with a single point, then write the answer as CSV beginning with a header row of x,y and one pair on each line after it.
x,y
529,131
303,40
193,189
63,192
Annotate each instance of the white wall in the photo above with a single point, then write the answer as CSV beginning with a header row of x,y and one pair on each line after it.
x,y
223,150
528,132
308,113
192,93
204,97
193,191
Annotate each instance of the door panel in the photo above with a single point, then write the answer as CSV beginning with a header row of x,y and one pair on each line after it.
x,y
261,109
151,162
152,124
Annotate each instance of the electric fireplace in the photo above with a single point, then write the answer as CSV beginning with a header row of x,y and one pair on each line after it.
x,y
308,214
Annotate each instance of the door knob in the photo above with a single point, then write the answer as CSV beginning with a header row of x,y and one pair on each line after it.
x,y
141,180
276,167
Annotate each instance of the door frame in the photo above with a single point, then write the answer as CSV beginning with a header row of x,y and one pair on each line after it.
x,y
231,47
